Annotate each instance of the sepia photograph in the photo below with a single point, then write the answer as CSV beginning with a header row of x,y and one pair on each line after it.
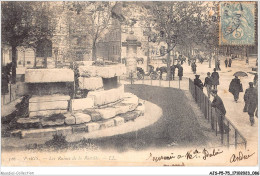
x,y
129,83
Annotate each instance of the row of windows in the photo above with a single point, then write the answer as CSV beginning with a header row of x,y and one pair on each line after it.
x,y
115,50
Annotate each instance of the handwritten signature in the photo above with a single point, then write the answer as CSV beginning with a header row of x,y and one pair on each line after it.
x,y
192,154
241,156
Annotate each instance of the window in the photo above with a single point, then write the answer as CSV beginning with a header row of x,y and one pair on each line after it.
x,y
28,62
19,63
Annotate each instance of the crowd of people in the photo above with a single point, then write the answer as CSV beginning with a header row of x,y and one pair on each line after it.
x,y
235,88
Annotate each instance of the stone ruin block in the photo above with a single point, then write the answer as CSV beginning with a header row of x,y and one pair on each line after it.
x,y
82,118
48,75
38,133
92,83
92,126
79,128
64,130
107,113
107,96
52,105
46,113
83,103
118,121
107,124
55,122
69,119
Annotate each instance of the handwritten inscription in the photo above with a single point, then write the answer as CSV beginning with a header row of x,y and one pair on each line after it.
x,y
241,156
189,155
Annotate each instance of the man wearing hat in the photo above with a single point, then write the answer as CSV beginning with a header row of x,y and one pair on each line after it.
x,y
208,83
235,87
218,104
198,82
250,99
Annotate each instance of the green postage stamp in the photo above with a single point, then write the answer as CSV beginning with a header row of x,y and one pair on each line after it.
x,y
237,23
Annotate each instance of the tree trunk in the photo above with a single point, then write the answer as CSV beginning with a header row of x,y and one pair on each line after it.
x,y
168,63
210,58
94,52
14,64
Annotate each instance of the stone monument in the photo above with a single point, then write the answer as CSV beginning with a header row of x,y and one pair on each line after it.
x,y
131,45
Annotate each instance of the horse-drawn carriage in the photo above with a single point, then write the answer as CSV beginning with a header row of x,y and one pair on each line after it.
x,y
151,73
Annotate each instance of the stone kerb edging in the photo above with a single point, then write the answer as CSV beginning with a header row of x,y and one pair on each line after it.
x,y
90,130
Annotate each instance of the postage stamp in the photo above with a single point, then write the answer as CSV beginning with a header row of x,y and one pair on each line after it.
x,y
237,23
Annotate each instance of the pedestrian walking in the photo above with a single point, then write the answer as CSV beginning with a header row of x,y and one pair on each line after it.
x,y
198,82
208,84
251,100
218,65
249,91
189,61
226,62
194,67
180,72
215,78
229,62
173,71
218,104
235,88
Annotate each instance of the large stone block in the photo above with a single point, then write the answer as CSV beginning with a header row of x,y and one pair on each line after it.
x,y
95,116
69,119
52,105
91,83
87,71
141,109
82,118
92,126
28,123
107,113
55,122
107,124
119,120
64,130
107,71
83,103
130,115
46,113
107,96
48,75
79,128
38,133
48,98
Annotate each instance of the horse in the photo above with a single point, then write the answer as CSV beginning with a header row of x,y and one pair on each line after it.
x,y
161,70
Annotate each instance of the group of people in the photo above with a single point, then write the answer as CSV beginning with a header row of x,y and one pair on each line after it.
x,y
180,71
211,81
250,97
228,62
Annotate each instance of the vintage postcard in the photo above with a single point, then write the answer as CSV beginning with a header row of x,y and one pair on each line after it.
x,y
125,83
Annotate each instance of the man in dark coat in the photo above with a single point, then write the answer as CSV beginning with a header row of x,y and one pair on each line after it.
x,y
249,91
194,67
229,62
218,104
218,65
226,62
235,87
208,83
198,82
173,71
180,72
215,79
250,98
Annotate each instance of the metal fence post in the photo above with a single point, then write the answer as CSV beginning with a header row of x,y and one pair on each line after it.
x,y
235,138
151,82
179,83
222,130
228,134
160,82
216,121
